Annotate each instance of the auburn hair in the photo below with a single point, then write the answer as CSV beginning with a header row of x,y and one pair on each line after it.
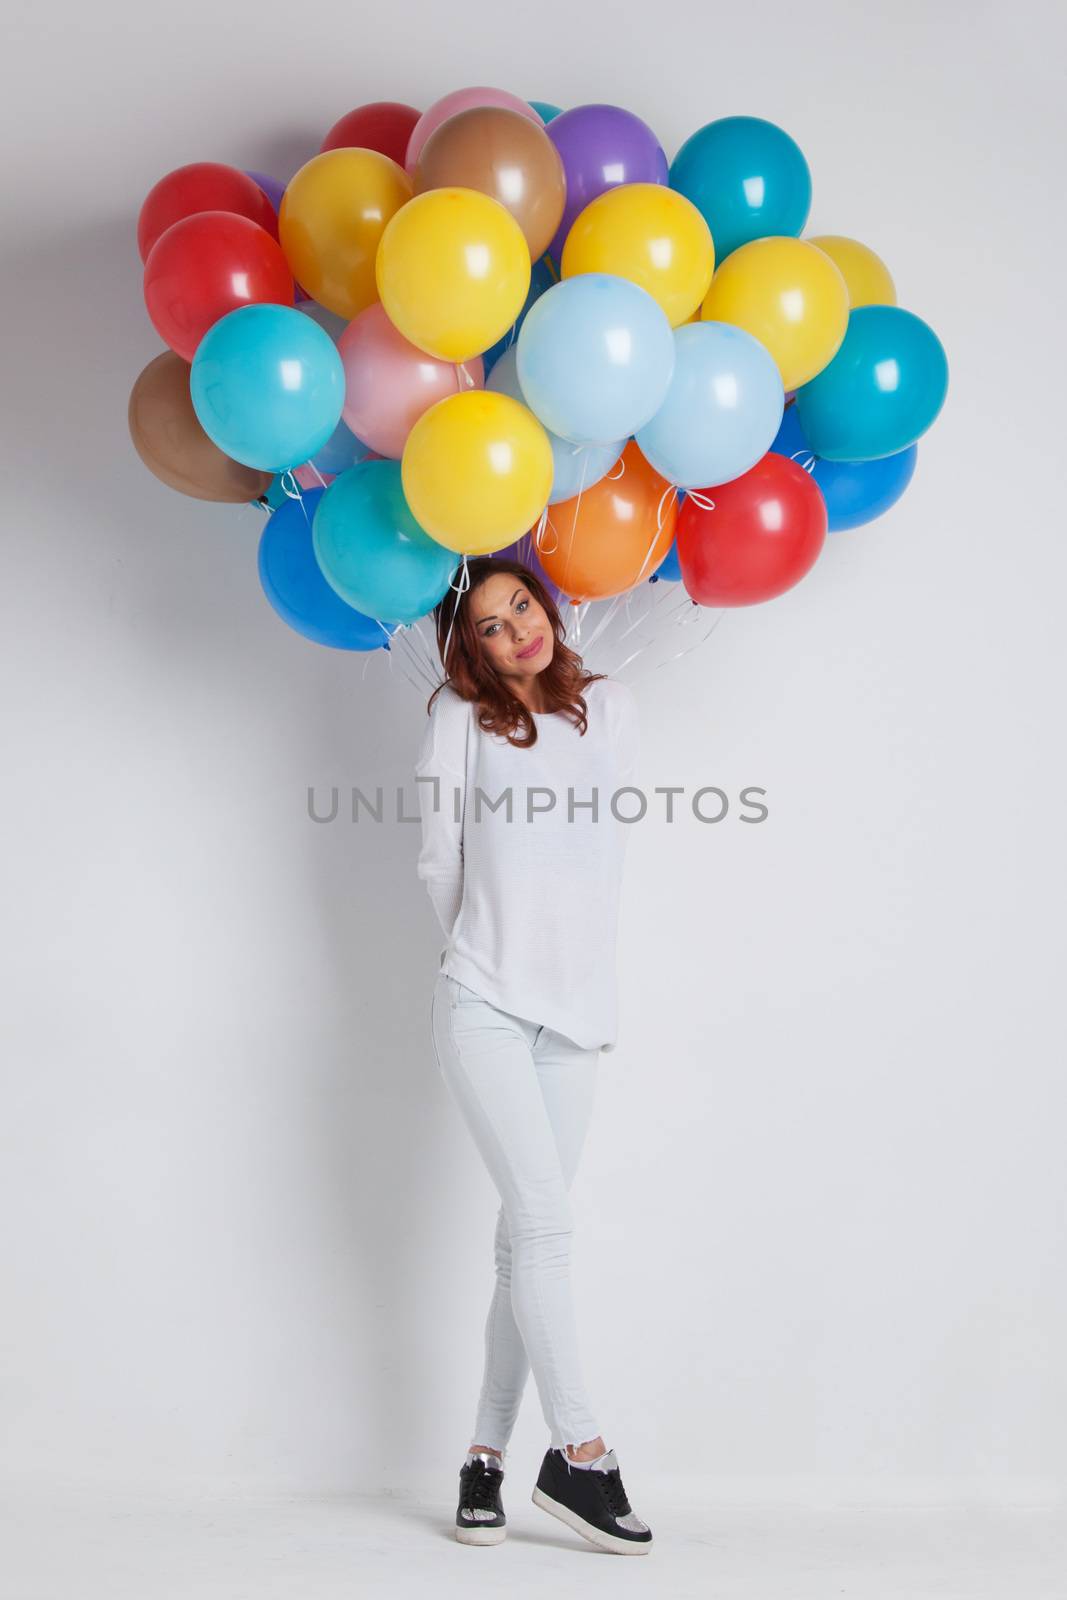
x,y
470,674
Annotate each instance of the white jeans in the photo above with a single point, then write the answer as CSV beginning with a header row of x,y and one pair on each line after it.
x,y
526,1094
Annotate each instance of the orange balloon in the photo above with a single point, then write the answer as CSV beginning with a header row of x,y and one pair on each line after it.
x,y
611,537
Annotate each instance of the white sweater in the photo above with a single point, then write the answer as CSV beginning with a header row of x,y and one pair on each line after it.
x,y
529,907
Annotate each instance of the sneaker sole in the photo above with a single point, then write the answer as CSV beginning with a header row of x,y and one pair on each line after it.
x,y
598,1536
476,1535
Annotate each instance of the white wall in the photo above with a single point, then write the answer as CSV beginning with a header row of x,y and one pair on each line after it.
x,y
246,1239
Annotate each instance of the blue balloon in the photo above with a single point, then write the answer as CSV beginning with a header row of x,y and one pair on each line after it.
x,y
722,409
670,567
267,386
747,177
855,491
293,583
341,451
371,549
545,110
595,358
542,277
882,390
577,466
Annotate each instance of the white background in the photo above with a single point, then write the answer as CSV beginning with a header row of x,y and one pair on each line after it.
x,y
246,1238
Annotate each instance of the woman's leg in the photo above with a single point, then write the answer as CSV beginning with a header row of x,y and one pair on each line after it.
x,y
505,1075
567,1076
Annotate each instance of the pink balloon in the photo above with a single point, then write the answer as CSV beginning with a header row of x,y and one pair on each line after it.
x,y
307,477
461,100
389,383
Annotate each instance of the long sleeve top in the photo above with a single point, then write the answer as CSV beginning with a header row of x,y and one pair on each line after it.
x,y
522,856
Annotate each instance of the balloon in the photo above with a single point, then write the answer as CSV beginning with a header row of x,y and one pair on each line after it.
x,y
542,277
341,451
545,110
601,147
308,477
866,275
334,212
451,105
881,391
453,272
614,536
384,125
650,235
328,321
170,441
787,294
203,267
477,471
389,382
722,409
271,188
765,532
501,154
595,358
267,385
668,567
275,496
371,550
576,466
294,584
855,491
747,177
524,550
201,186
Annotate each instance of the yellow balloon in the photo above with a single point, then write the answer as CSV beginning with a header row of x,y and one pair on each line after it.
x,y
453,272
651,235
477,471
790,296
331,220
866,275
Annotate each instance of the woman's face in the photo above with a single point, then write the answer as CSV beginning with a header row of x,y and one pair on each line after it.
x,y
514,629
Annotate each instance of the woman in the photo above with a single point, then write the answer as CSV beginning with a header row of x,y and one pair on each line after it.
x,y
522,856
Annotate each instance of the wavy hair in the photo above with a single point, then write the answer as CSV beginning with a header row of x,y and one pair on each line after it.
x,y
469,672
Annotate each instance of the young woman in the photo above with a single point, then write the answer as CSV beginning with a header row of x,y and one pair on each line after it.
x,y
522,855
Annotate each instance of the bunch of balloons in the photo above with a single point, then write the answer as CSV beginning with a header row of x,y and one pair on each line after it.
x,y
451,328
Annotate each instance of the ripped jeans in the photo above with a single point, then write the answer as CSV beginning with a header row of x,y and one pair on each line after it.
x,y
526,1094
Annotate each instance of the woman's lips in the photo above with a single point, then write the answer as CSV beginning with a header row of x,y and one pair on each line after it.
x,y
531,650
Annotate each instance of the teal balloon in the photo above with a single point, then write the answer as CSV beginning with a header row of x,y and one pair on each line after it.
x,y
275,495
748,179
293,583
545,110
882,390
542,277
373,552
576,466
595,358
722,410
268,386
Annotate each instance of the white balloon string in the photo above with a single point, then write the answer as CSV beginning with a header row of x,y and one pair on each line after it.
x,y
809,463
460,589
543,523
613,477
317,473
468,381
700,500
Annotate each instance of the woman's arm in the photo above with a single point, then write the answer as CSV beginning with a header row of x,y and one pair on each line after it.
x,y
440,773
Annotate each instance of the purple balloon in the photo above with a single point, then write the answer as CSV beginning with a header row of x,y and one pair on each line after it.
x,y
270,186
601,147
525,551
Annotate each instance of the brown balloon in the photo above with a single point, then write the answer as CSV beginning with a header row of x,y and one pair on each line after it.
x,y
170,441
502,154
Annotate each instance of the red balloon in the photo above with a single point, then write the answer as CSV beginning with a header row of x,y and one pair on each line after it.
x,y
201,186
384,126
207,265
763,536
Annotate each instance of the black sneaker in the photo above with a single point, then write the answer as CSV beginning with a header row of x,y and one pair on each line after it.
x,y
480,1517
593,1502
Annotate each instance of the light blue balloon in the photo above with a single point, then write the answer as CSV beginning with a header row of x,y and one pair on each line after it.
x,y
882,390
748,179
267,385
577,466
371,549
595,358
542,277
293,583
722,409
341,451
545,110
